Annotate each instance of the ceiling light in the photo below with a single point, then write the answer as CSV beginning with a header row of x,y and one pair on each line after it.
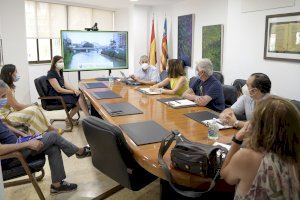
x,y
134,0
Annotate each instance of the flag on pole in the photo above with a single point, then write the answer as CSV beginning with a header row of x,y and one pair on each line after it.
x,y
164,47
152,56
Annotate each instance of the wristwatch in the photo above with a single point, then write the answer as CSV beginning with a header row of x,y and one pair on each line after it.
x,y
239,142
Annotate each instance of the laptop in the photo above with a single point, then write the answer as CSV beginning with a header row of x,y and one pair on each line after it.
x,y
127,81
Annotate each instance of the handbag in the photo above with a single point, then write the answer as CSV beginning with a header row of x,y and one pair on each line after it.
x,y
196,158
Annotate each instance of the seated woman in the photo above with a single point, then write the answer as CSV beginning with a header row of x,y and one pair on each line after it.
x,y
60,87
267,167
15,113
176,78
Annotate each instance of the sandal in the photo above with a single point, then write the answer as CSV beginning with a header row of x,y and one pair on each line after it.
x,y
68,124
86,152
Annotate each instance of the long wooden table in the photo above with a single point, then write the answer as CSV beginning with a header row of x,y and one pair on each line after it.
x,y
169,118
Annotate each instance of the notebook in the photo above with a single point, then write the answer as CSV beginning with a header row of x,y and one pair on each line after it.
x,y
206,117
147,91
121,109
182,103
106,95
146,132
95,85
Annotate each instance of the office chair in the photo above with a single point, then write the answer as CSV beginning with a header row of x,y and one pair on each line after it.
x,y
22,168
230,95
238,84
111,155
163,75
219,76
41,85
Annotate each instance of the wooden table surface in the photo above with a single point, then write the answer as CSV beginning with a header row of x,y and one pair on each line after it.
x,y
169,118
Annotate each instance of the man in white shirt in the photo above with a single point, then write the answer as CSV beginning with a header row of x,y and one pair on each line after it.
x,y
146,74
259,87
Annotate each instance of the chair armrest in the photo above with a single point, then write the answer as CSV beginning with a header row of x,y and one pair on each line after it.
x,y
15,154
55,97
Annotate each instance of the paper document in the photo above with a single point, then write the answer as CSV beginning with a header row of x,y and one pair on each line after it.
x,y
222,145
219,123
181,103
147,91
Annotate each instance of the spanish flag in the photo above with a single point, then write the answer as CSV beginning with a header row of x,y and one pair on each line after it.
x,y
164,47
152,46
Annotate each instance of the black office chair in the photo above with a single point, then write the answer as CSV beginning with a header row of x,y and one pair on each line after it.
x,y
111,155
22,168
238,84
41,85
296,103
219,76
230,95
163,75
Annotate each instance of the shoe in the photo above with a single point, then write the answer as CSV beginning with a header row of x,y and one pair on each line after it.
x,y
64,187
86,152
74,122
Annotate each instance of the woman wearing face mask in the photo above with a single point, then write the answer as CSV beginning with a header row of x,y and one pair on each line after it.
x,y
60,87
15,113
258,87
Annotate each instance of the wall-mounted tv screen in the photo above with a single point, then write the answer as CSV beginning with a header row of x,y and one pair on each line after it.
x,y
83,50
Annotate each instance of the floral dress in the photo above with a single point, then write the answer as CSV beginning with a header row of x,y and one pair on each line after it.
x,y
275,179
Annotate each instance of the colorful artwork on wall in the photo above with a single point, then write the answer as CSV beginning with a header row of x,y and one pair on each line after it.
x,y
185,38
212,40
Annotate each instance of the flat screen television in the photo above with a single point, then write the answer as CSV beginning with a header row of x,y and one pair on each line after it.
x,y
99,50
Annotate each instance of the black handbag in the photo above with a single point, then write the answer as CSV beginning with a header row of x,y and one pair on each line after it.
x,y
196,158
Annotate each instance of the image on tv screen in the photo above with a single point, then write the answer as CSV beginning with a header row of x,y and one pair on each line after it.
x,y
94,50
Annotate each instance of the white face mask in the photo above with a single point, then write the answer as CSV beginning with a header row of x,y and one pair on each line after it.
x,y
145,66
60,65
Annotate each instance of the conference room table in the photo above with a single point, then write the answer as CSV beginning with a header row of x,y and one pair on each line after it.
x,y
168,118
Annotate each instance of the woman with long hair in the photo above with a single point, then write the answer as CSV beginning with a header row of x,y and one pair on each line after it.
x,y
268,166
15,113
176,78
60,87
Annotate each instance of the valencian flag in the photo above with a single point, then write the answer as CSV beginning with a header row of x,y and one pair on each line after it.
x,y
152,46
164,47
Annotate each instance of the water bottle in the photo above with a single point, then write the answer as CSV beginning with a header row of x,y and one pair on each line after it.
x,y
111,80
213,130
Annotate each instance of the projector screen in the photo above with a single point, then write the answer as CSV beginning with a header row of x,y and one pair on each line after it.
x,y
100,50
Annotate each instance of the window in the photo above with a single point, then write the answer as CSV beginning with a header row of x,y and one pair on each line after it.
x,y
44,21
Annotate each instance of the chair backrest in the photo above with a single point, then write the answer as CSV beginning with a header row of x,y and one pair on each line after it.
x,y
219,76
41,85
111,154
296,103
163,75
238,84
230,95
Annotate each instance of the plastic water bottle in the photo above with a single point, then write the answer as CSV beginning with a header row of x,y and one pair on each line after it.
x,y
110,80
213,130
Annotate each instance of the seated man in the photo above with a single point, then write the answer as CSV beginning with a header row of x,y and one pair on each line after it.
x,y
206,90
146,74
258,87
50,144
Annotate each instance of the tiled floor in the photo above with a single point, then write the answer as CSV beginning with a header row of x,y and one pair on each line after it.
x,y
91,182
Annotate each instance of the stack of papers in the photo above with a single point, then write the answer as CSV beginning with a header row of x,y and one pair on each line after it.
x,y
147,91
181,103
219,123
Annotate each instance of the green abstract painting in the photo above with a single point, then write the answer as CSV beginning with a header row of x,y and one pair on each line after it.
x,y
212,37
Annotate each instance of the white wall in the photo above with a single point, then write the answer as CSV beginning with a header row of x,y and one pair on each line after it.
x,y
207,12
244,38
12,22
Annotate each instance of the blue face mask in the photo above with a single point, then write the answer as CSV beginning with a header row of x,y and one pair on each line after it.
x,y
17,78
3,102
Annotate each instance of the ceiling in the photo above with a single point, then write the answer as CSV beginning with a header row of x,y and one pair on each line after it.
x,y
115,4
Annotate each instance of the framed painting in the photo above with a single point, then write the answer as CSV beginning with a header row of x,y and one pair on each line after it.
x,y
212,44
282,37
185,38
